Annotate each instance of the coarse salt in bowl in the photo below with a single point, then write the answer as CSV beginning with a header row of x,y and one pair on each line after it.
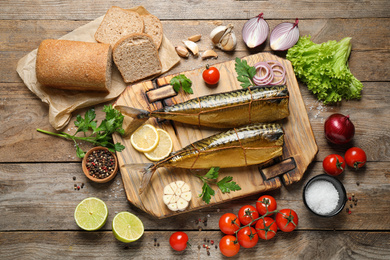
x,y
324,195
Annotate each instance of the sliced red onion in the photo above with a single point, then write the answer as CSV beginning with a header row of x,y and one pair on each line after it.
x,y
265,73
255,31
284,36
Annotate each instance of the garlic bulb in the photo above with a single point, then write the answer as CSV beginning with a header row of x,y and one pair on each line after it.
x,y
224,37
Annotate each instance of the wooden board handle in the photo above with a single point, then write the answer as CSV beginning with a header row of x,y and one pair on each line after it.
x,y
161,93
279,168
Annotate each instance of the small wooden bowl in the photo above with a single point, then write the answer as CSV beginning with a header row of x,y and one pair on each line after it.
x,y
86,171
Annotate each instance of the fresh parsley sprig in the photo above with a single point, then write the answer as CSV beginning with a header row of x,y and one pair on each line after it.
x,y
181,81
245,73
100,135
225,185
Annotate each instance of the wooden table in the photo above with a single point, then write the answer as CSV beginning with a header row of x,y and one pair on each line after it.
x,y
37,171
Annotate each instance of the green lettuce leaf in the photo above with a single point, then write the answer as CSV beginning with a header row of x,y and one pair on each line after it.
x,y
324,69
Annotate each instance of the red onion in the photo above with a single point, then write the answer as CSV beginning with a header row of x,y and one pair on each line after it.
x,y
339,129
284,36
266,73
255,31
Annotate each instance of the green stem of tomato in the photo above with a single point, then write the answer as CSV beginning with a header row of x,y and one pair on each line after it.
x,y
268,213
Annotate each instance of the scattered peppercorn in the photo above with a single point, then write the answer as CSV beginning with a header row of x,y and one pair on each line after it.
x,y
212,242
349,198
216,246
198,246
74,178
82,185
208,252
158,244
357,183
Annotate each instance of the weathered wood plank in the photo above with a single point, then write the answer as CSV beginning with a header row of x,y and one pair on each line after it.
x,y
102,244
223,9
22,113
46,191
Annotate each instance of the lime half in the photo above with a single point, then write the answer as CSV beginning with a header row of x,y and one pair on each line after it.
x,y
91,214
127,227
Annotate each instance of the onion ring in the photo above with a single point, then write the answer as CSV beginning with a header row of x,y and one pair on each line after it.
x,y
269,68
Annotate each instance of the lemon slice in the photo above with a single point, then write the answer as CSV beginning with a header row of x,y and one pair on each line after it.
x,y
163,148
91,214
145,138
127,227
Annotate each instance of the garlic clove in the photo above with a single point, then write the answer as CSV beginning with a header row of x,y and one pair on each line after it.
x,y
182,51
228,42
192,46
195,38
209,54
217,33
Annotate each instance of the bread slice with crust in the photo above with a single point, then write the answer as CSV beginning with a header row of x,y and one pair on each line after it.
x,y
136,57
117,23
153,27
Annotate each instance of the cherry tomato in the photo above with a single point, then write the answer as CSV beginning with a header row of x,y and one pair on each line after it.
x,y
287,220
178,241
211,75
264,202
247,237
333,164
229,223
229,246
266,228
246,214
355,157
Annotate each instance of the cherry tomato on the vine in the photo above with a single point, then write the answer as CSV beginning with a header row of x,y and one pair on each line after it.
x,y
264,202
266,228
287,220
333,164
246,214
229,245
178,241
229,223
355,157
247,237
211,75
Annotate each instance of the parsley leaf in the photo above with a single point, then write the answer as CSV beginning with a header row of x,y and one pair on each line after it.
x,y
207,192
101,135
225,185
181,81
245,73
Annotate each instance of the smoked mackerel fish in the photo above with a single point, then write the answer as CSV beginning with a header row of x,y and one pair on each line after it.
x,y
238,147
236,108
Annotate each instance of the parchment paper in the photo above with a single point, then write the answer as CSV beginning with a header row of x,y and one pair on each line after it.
x,y
63,102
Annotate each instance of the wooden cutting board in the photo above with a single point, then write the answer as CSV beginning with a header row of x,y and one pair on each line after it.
x,y
299,150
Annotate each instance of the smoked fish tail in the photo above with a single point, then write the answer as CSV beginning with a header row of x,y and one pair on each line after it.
x,y
146,169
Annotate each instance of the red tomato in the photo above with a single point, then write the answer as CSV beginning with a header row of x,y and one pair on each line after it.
x,y
287,220
264,202
266,228
355,157
246,214
247,237
178,241
333,164
229,223
211,75
229,246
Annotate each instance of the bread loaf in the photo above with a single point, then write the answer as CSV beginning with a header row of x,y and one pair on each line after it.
x,y
74,65
136,57
153,28
117,23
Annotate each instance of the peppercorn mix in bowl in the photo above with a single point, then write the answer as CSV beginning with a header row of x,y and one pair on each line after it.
x,y
100,165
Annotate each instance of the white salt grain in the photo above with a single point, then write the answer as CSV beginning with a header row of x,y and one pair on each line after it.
x,y
322,197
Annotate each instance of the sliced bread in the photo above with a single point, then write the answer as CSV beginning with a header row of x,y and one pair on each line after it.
x,y
117,23
153,27
136,57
